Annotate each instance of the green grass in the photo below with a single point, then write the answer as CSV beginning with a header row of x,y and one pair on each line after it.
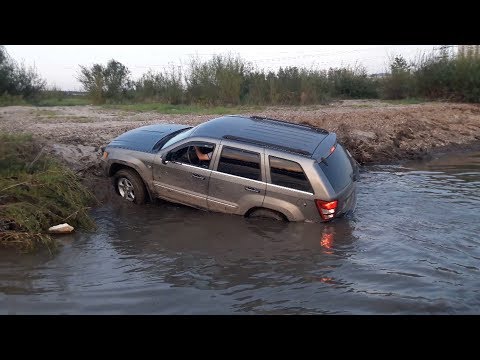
x,y
181,109
69,101
7,100
37,192
407,101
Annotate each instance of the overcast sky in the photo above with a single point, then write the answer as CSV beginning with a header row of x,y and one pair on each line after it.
x,y
59,64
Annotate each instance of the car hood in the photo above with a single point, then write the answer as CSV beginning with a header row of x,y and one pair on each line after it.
x,y
144,138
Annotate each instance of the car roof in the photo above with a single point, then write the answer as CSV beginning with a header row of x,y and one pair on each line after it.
x,y
272,133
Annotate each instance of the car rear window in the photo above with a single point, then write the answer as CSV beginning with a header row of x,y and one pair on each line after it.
x,y
240,163
288,174
337,168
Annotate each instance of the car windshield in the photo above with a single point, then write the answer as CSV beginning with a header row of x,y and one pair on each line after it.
x,y
178,137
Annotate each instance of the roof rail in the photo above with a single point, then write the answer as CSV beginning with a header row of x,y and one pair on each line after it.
x,y
268,145
287,123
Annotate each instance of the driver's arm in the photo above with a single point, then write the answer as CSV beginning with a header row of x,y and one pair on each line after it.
x,y
201,156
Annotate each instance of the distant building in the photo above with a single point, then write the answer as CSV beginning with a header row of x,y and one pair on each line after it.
x,y
75,93
469,50
378,75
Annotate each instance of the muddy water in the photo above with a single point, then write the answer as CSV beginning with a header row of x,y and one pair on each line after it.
x,y
412,247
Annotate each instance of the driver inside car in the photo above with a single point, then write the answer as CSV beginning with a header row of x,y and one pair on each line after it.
x,y
204,153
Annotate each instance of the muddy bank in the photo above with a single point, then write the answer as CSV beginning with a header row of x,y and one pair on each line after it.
x,y
374,131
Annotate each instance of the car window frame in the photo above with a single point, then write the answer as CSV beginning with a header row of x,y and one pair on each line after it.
x,y
192,142
257,151
269,172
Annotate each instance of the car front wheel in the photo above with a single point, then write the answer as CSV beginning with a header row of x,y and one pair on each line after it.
x,y
130,186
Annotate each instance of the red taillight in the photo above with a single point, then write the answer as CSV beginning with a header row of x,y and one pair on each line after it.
x,y
332,149
326,208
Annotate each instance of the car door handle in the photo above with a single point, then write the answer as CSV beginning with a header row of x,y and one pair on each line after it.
x,y
196,176
252,189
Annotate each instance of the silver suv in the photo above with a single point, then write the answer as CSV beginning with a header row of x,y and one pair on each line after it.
x,y
250,166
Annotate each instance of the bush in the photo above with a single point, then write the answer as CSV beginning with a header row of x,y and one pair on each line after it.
x,y
165,87
353,83
8,100
17,80
315,87
399,84
217,81
448,78
255,88
105,83
36,192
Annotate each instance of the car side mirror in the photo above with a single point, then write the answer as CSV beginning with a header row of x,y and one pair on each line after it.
x,y
167,158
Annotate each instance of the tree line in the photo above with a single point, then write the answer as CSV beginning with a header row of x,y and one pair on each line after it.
x,y
17,80
230,80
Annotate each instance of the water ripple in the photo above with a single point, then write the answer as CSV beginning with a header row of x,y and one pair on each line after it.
x,y
411,247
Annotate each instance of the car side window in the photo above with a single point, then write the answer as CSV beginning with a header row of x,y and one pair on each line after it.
x,y
197,154
288,174
240,163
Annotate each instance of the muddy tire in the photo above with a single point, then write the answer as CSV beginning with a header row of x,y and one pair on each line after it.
x,y
266,213
130,186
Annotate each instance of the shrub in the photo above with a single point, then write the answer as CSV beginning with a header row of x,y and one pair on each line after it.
x,y
399,83
105,83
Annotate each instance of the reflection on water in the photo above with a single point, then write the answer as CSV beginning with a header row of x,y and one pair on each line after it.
x,y
412,246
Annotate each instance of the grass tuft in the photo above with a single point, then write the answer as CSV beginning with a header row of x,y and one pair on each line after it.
x,y
37,192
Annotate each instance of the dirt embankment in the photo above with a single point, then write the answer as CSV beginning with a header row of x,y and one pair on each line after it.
x,y
374,132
